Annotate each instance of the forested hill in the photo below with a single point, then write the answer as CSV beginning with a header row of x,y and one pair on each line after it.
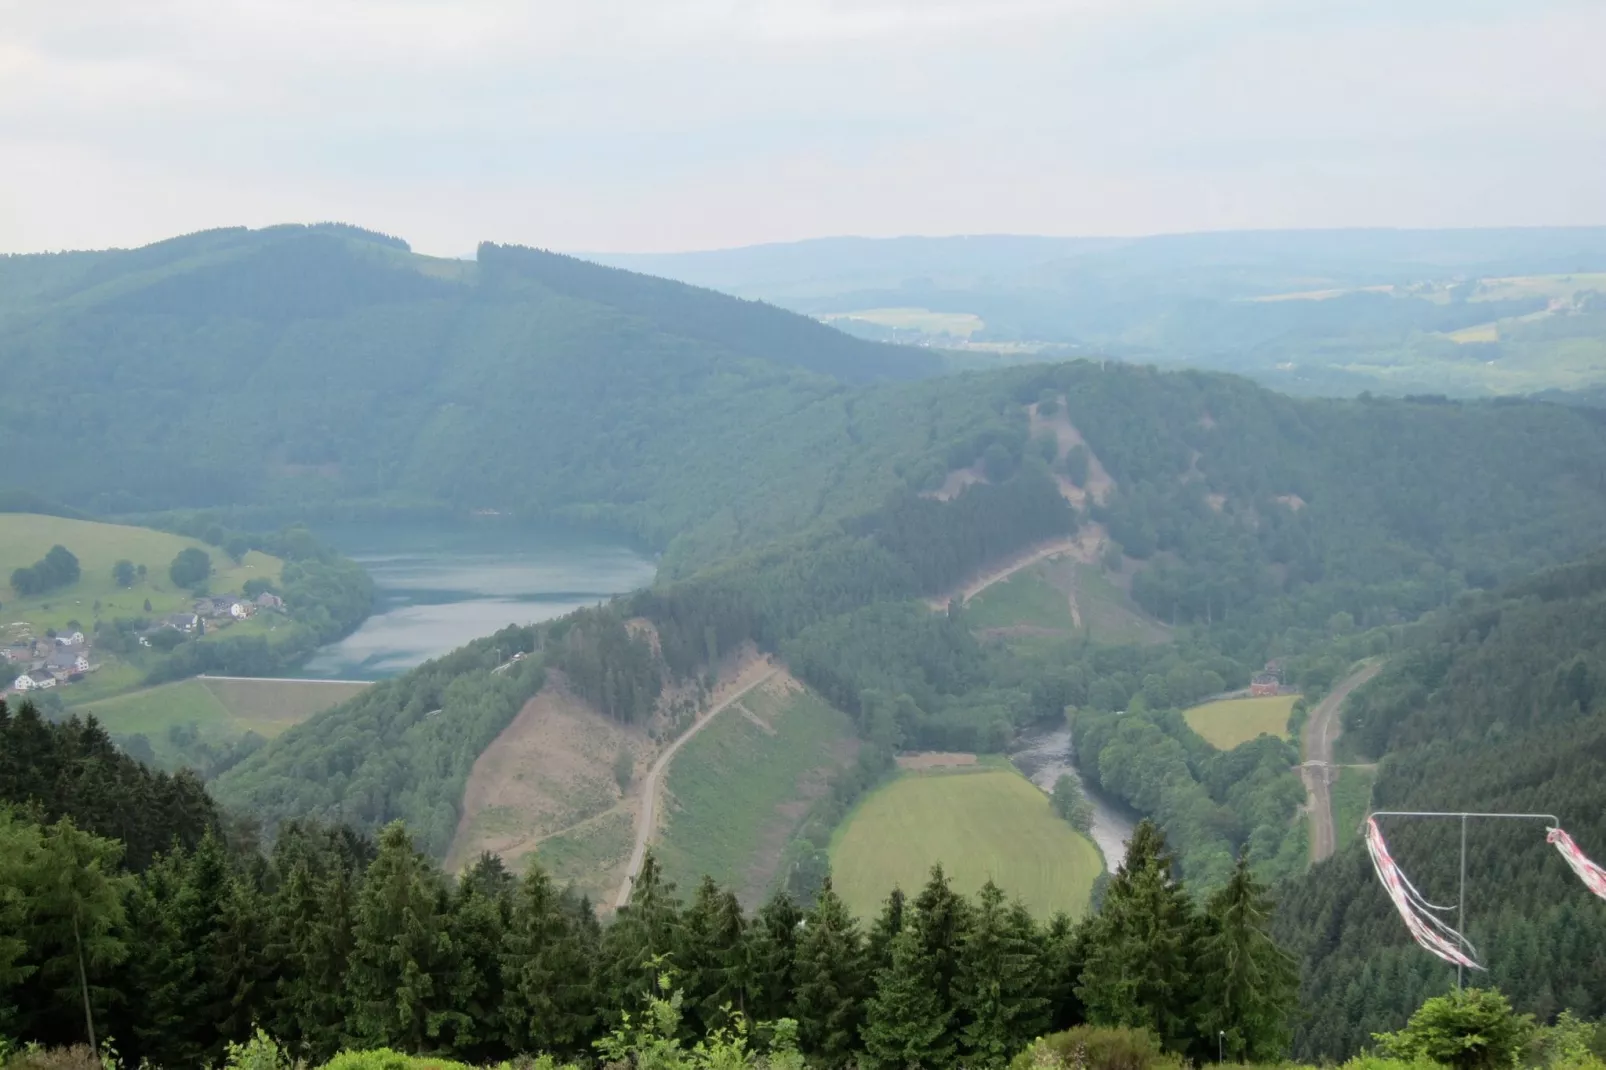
x,y
1499,705
303,365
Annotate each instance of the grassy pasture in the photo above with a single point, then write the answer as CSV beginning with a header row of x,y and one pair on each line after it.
x,y
219,710
1483,332
1520,286
1026,598
738,789
1229,722
1109,613
26,537
956,324
589,858
987,823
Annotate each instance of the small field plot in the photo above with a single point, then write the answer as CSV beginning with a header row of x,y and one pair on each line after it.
x,y
181,720
1232,721
740,787
1026,600
990,823
956,324
1352,797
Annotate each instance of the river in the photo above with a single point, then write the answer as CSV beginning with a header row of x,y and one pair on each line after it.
x,y
1044,755
441,585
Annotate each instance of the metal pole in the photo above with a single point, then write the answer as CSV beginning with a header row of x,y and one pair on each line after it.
x,y
1461,903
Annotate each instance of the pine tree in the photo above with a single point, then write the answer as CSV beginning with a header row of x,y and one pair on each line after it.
x,y
998,988
1248,985
906,1023
771,948
941,919
1138,970
828,975
1061,968
890,922
548,969
710,958
639,941
310,945
402,953
478,916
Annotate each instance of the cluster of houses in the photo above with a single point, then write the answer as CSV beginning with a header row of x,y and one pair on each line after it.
x,y
49,661
64,657
218,612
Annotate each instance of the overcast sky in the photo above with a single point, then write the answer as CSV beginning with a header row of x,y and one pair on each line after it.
x,y
645,125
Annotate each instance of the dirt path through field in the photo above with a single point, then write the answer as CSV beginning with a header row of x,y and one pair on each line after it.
x,y
1321,732
647,813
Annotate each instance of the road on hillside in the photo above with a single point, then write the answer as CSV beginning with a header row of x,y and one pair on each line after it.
x,y
1004,572
646,819
1321,732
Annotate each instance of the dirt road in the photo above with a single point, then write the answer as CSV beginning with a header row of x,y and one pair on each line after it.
x,y
1321,732
1003,572
647,815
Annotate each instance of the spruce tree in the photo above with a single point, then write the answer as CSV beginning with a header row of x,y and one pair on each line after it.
x,y
906,1023
710,958
771,949
310,947
402,953
999,989
638,943
1248,986
1138,971
478,915
548,970
941,918
829,980
890,922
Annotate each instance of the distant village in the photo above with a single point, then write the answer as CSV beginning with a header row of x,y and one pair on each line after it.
x,y
66,656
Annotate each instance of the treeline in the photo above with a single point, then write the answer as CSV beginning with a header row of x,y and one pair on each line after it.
x,y
1498,704
333,942
58,568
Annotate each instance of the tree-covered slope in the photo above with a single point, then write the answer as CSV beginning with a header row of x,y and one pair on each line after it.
x,y
303,365
1497,705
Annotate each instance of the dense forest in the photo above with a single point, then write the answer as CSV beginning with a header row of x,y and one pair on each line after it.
x,y
1496,704
333,940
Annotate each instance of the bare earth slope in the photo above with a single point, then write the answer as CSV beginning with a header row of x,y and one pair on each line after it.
x,y
1321,731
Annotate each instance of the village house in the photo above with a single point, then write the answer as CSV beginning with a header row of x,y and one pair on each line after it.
x,y
67,662
37,680
184,622
1265,683
269,600
71,637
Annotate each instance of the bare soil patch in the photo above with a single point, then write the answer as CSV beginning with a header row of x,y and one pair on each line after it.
x,y
935,759
550,770
1098,483
1293,501
957,480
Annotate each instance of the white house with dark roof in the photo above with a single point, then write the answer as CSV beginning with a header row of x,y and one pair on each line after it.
x,y
37,680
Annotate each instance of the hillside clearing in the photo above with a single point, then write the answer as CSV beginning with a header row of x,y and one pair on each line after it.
x,y
988,823
955,324
1351,799
27,537
1061,596
737,792
1229,722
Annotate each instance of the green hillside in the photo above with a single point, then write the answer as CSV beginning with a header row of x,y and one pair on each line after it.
x,y
303,366
1499,705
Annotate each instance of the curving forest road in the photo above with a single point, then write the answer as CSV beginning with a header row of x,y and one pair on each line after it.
x,y
647,816
1321,732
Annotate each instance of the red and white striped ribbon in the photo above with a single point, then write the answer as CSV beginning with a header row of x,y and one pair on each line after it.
x,y
1428,931
1593,876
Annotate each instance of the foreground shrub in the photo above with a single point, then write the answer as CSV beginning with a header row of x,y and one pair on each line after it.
x,y
1471,1029
386,1059
77,1057
1089,1047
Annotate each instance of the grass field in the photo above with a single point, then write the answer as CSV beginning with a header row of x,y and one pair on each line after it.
x,y
1232,721
1352,797
1483,332
990,823
1108,612
26,537
219,710
1520,286
956,324
737,791
1026,598
590,859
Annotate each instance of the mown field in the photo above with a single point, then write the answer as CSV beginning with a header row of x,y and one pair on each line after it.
x,y
986,822
1232,721
27,537
738,789
218,710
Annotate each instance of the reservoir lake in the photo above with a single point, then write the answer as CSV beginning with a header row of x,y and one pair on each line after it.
x,y
439,586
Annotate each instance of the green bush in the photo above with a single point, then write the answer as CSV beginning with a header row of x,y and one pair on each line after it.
x,y
1470,1029
33,1057
1089,1047
386,1059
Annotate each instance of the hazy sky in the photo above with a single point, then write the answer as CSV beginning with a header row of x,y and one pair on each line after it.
x,y
616,125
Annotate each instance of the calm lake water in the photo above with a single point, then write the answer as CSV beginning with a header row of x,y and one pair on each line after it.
x,y
440,586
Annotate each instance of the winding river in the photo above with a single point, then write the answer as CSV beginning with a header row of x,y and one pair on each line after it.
x,y
1044,755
